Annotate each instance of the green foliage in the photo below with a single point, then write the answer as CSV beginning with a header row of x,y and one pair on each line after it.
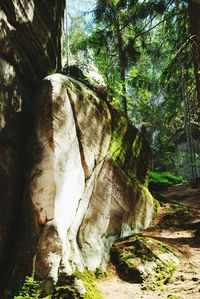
x,y
30,289
164,271
77,35
164,179
54,71
144,50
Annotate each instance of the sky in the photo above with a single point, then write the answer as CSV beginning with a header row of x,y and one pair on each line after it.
x,y
81,7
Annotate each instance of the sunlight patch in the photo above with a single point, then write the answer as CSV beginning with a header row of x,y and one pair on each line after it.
x,y
24,11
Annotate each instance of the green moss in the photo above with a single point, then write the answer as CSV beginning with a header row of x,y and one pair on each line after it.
x,y
70,291
119,130
164,271
53,71
156,205
88,278
173,297
141,259
66,292
31,288
128,148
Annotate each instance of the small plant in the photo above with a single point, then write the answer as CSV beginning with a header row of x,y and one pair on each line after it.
x,y
80,285
53,71
30,289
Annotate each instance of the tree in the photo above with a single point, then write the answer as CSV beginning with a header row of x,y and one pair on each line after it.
x,y
143,50
110,16
66,29
194,14
121,23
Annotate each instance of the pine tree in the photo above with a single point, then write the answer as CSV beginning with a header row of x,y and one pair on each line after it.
x,y
194,14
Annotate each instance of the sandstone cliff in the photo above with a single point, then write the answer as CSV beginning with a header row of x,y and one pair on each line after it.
x,y
72,169
29,49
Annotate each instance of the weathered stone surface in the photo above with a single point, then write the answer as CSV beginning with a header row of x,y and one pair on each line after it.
x,y
140,259
29,49
12,137
80,194
30,36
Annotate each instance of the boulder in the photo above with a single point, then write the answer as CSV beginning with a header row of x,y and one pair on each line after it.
x,y
86,183
142,259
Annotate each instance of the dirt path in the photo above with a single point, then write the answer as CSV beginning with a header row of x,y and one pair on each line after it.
x,y
186,282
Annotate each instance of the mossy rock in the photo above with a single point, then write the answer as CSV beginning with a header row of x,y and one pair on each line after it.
x,y
80,285
140,259
129,148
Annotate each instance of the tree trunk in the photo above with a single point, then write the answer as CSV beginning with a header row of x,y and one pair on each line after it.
x,y
67,32
123,96
188,134
59,21
194,15
122,67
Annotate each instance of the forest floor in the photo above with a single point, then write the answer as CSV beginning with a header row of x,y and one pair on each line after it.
x,y
176,229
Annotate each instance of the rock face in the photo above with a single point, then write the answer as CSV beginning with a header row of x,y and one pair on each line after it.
x,y
86,184
30,36
29,49
72,169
